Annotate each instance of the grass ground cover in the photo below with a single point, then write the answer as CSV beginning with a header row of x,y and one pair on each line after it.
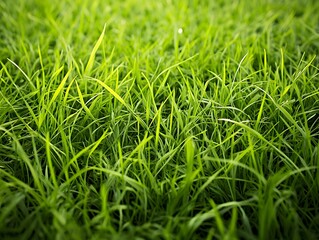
x,y
159,119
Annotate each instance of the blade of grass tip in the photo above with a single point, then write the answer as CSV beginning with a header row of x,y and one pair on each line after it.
x,y
60,87
258,135
121,100
238,68
261,109
304,69
74,159
66,95
24,74
55,95
239,156
98,142
175,65
93,53
164,160
90,149
87,110
22,96
285,113
163,82
140,146
112,92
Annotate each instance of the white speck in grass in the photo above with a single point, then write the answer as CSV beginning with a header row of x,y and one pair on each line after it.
x,y
180,30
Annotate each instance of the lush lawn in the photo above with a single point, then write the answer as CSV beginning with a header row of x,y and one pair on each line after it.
x,y
160,119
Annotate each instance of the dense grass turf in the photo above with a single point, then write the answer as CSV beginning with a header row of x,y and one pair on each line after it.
x,y
159,119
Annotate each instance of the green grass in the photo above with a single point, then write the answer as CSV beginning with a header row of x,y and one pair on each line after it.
x,y
114,125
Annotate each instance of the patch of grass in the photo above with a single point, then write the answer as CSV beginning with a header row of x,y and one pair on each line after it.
x,y
115,124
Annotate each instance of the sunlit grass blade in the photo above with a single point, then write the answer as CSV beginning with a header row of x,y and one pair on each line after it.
x,y
90,62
